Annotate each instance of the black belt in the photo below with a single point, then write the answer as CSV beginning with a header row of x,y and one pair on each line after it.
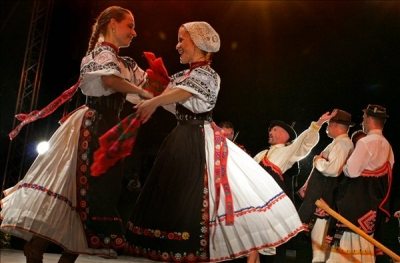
x,y
191,122
111,102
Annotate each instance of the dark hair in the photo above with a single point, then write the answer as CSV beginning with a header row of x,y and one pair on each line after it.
x,y
100,26
378,121
226,124
356,135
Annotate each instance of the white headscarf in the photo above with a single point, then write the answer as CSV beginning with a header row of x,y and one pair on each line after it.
x,y
203,36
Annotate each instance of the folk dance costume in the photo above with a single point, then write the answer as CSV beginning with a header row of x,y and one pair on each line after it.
x,y
58,199
206,199
280,157
322,183
363,197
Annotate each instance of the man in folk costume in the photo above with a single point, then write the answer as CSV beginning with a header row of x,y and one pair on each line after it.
x,y
323,180
363,197
285,150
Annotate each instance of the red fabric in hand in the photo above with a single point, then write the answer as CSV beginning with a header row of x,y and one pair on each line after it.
x,y
116,144
157,74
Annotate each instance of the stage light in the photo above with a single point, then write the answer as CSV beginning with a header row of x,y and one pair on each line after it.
x,y
42,147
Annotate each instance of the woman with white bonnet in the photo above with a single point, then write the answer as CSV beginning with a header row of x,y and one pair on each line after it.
x,y
205,199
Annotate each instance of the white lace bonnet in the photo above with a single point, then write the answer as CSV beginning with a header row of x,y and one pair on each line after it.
x,y
203,36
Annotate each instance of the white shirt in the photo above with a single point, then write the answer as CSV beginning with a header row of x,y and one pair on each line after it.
x,y
284,156
335,156
370,153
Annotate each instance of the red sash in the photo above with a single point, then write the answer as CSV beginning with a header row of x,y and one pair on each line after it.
x,y
273,166
220,173
46,111
385,169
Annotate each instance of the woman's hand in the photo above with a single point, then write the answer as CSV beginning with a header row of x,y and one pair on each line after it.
x,y
145,109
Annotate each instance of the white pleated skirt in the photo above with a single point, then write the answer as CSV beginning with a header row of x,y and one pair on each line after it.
x,y
352,248
264,217
43,203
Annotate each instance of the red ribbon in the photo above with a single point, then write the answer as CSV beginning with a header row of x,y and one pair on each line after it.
x,y
46,111
220,173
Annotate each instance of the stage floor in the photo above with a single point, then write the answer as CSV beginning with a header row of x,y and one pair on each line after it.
x,y
17,256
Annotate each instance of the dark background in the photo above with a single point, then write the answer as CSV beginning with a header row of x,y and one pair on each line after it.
x,y
288,60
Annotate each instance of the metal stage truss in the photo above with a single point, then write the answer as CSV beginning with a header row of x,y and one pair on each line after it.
x,y
29,87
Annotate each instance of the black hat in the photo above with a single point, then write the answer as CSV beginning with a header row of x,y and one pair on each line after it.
x,y
289,129
376,111
342,117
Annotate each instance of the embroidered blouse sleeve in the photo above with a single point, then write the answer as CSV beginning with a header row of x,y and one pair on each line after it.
x,y
204,84
134,74
102,61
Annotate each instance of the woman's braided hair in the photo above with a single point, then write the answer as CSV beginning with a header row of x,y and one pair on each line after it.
x,y
100,26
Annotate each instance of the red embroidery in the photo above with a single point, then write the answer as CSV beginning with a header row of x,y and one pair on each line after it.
x,y
201,255
46,111
386,169
274,167
82,173
106,218
157,233
249,210
48,192
367,222
246,252
220,174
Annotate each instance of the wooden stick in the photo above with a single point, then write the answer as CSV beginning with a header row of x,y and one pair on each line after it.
x,y
323,205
